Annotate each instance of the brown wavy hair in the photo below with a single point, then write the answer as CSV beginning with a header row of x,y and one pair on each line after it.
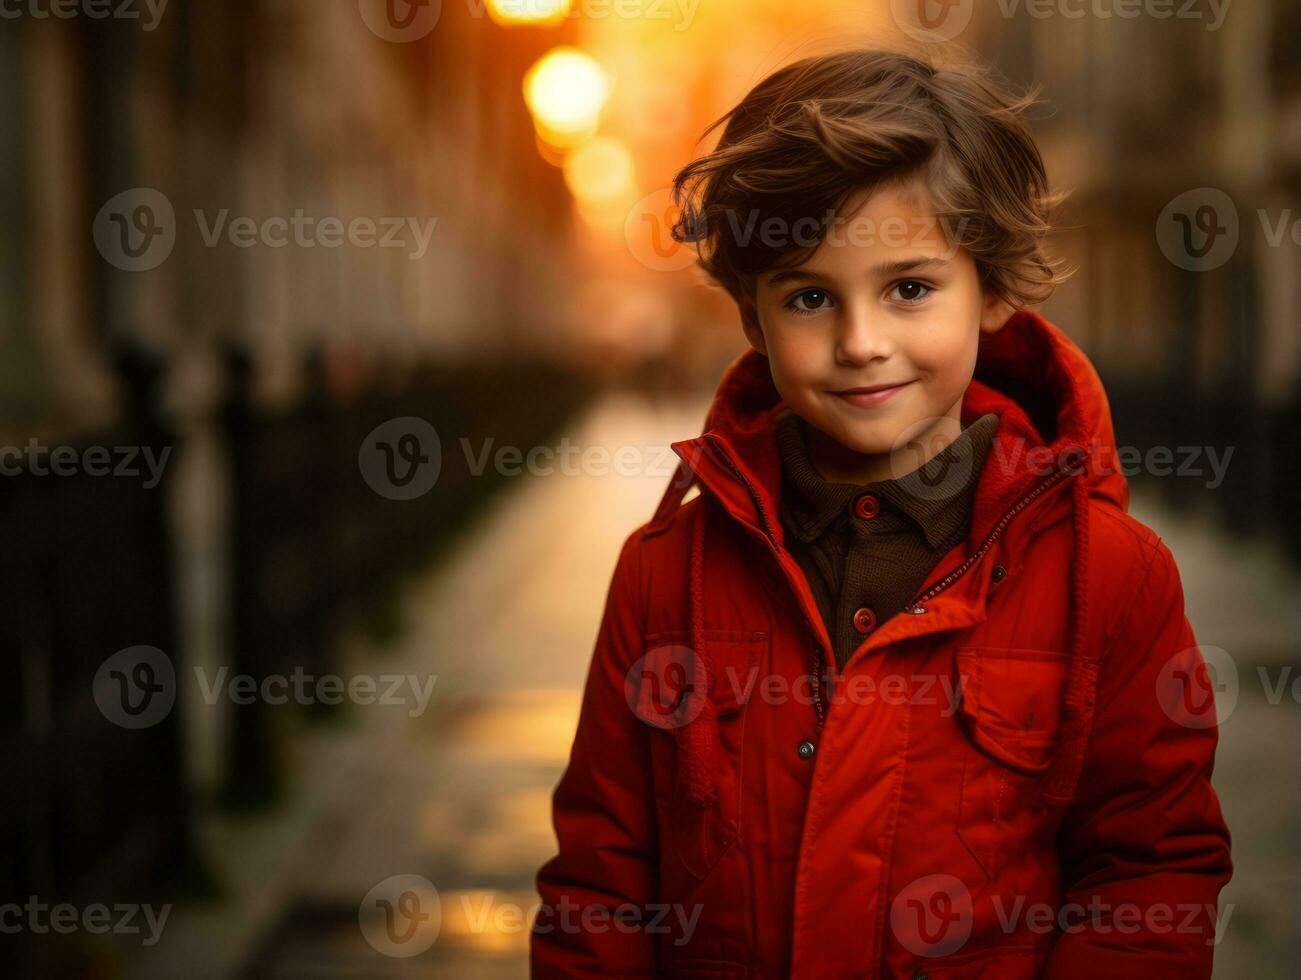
x,y
817,132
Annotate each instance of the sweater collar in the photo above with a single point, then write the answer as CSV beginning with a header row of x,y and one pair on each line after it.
x,y
936,497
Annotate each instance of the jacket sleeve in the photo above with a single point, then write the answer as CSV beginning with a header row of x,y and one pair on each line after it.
x,y
1144,848
604,814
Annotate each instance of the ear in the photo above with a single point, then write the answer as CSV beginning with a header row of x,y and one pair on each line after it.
x,y
750,324
995,312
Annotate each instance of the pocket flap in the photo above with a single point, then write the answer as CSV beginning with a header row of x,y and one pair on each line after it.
x,y
1011,702
666,682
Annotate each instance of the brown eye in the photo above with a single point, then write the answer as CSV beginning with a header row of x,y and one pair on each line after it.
x,y
911,291
809,301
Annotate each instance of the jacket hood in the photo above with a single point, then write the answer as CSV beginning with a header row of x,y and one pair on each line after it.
x,y
1054,423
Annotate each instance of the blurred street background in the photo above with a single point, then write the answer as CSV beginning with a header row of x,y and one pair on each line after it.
x,y
342,345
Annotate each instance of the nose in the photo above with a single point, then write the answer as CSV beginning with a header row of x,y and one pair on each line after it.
x,y
861,336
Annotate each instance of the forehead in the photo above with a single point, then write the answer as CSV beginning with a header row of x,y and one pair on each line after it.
x,y
888,218
904,196
874,227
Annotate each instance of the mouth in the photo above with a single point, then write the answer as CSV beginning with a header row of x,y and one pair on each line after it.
x,y
870,396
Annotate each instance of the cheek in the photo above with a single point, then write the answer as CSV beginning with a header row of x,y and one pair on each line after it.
x,y
796,357
945,355
944,350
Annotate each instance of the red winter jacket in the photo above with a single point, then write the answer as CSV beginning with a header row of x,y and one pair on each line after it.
x,y
1009,779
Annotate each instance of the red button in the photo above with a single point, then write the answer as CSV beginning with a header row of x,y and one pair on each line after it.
x,y
867,507
865,620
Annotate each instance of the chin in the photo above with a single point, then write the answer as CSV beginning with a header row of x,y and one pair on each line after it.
x,y
868,440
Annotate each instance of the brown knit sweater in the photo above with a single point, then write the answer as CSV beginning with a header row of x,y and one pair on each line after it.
x,y
867,549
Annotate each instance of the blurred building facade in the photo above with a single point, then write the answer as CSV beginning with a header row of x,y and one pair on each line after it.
x,y
1152,115
279,107
259,367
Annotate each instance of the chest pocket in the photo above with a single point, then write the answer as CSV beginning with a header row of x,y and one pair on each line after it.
x,y
1011,706
693,838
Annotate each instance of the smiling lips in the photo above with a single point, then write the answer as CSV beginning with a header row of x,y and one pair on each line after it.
x,y
871,395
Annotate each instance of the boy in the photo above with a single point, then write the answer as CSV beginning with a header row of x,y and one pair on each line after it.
x,y
904,691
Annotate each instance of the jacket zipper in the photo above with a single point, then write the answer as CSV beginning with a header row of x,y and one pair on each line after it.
x,y
915,607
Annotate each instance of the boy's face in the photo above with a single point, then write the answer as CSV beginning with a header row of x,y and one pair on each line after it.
x,y
885,300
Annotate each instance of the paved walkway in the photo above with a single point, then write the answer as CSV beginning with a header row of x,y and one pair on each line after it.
x,y
459,795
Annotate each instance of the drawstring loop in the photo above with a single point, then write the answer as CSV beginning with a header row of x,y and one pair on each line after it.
x,y
698,739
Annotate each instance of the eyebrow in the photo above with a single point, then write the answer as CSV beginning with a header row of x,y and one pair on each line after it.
x,y
884,269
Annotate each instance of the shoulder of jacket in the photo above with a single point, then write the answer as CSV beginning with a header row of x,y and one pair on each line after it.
x,y
676,524
667,541
1127,558
655,556
1120,545
1121,536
